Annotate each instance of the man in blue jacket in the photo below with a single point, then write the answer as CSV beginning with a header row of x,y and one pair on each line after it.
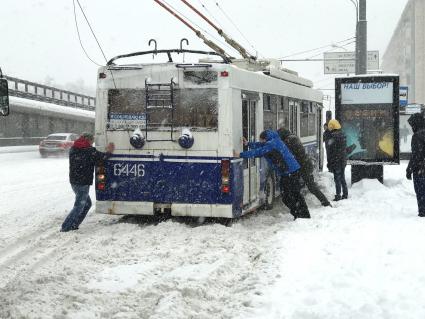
x,y
283,162
82,159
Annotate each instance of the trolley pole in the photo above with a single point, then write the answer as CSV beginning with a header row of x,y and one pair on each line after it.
x,y
359,172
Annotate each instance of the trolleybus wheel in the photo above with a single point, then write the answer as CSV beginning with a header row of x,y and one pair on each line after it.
x,y
228,222
269,190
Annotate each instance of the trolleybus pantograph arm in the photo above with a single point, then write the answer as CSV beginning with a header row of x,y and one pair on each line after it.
x,y
243,52
211,44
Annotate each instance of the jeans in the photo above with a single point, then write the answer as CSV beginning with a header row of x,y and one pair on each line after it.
x,y
314,188
339,178
419,184
291,196
81,207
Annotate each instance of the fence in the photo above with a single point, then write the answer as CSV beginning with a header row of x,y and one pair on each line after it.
x,y
39,92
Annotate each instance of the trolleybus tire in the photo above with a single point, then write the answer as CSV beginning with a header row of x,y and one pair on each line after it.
x,y
228,222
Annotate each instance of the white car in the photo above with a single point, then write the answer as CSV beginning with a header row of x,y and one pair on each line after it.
x,y
57,144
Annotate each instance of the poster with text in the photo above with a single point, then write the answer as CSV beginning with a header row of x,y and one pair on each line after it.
x,y
368,110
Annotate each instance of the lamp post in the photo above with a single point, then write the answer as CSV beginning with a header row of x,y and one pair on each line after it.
x,y
356,54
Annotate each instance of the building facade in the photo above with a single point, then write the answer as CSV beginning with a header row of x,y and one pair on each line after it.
x,y
405,54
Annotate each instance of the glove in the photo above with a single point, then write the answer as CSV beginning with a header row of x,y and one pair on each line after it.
x,y
409,174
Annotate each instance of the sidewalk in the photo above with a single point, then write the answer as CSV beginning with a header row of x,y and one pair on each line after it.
x,y
18,149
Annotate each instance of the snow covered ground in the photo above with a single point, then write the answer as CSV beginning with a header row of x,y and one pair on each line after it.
x,y
364,258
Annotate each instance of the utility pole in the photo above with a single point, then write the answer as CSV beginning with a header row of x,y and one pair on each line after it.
x,y
361,40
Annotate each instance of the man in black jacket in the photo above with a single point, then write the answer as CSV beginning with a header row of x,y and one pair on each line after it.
x,y
297,149
417,160
337,158
82,159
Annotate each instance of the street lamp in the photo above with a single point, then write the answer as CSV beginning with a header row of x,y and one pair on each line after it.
x,y
356,4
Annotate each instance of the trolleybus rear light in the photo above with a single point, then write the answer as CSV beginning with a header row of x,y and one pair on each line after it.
x,y
225,176
225,189
101,178
224,74
102,75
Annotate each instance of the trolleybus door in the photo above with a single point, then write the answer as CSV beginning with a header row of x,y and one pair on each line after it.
x,y
249,111
293,116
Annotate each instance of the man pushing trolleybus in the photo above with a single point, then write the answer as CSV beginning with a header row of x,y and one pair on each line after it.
x,y
283,162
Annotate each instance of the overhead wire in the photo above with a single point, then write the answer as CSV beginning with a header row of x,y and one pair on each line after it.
x,y
236,27
333,49
198,26
209,12
91,29
315,49
94,35
79,36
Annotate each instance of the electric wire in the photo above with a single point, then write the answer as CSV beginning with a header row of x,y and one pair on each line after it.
x,y
198,26
239,30
91,29
315,49
94,35
211,15
79,36
333,49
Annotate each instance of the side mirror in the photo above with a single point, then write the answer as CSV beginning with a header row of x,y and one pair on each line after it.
x,y
4,97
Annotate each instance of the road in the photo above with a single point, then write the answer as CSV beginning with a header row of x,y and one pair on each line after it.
x,y
264,266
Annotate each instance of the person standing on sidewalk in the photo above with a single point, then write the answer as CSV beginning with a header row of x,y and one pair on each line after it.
x,y
297,149
82,159
337,158
416,165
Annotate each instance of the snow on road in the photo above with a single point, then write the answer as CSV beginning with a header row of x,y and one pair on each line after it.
x,y
362,259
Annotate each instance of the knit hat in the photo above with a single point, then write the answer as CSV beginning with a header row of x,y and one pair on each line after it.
x,y
334,125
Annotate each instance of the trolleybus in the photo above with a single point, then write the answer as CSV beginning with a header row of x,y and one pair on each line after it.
x,y
176,126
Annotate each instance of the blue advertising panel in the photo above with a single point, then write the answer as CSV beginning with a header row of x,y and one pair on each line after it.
x,y
368,109
404,95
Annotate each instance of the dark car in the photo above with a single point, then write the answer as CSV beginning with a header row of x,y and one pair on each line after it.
x,y
57,144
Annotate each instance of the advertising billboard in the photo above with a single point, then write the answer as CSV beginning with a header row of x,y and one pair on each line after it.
x,y
368,109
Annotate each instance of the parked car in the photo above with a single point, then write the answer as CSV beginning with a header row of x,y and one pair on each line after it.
x,y
57,144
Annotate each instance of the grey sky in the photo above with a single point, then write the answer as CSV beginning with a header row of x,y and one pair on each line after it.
x,y
38,37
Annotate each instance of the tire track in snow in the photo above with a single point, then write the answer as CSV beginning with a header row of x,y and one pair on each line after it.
x,y
33,250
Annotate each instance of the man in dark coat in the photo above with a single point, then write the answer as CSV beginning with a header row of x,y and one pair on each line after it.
x,y
417,160
283,162
82,159
297,148
326,137
337,158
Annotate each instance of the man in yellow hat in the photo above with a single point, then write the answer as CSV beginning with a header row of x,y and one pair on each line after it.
x,y
337,158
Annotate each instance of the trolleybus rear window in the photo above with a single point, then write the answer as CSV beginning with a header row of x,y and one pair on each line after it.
x,y
196,108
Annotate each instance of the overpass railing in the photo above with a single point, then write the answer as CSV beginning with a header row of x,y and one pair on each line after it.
x,y
40,92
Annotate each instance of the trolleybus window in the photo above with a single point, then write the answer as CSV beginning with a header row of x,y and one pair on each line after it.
x,y
269,116
200,77
283,114
312,119
304,119
195,108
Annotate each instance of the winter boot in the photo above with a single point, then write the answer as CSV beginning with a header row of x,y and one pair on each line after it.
x,y
421,214
344,196
326,204
337,198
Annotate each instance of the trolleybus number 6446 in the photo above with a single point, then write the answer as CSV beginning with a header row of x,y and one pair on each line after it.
x,y
136,170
